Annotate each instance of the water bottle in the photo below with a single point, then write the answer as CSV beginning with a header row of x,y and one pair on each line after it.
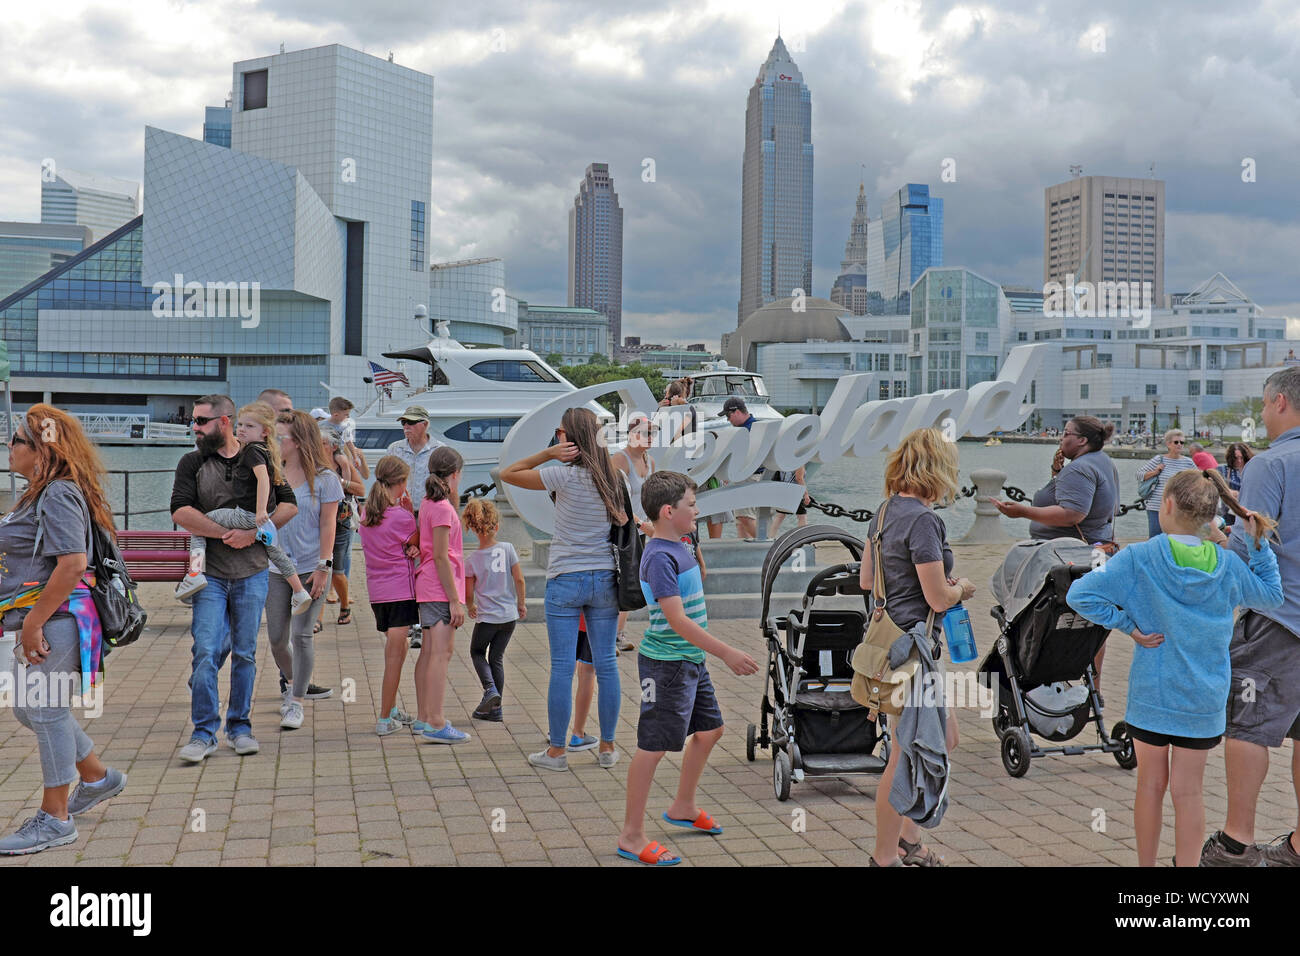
x,y
961,637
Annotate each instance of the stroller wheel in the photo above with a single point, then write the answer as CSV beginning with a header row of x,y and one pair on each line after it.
x,y
781,775
1126,756
750,733
1015,752
1002,722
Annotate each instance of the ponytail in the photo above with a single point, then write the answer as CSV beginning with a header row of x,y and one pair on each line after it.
x,y
1264,525
389,471
444,462
1198,494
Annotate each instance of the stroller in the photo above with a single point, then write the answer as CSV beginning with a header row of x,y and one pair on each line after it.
x,y
1044,646
817,728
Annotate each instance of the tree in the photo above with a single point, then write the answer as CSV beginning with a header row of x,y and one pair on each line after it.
x,y
594,372
1220,419
555,360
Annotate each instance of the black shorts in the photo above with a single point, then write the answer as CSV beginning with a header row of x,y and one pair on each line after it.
x,y
389,614
1168,740
584,648
677,700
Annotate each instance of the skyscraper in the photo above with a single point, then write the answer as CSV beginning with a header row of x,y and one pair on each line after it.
x,y
596,249
850,288
906,240
1104,229
100,202
776,219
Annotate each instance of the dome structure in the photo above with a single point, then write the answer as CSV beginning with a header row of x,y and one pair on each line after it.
x,y
779,322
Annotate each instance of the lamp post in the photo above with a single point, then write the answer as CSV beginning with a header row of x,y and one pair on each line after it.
x,y
1154,407
1193,419
1178,420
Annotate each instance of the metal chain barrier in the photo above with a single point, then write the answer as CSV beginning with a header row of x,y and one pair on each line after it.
x,y
1011,491
476,491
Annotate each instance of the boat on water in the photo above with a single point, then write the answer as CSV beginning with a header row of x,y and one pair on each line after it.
x,y
715,382
474,396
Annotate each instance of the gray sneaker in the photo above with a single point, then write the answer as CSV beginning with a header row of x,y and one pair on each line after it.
x,y
39,833
1214,853
546,762
293,717
88,795
607,758
1280,852
196,750
244,744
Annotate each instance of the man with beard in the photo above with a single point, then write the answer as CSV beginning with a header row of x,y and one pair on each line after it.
x,y
228,612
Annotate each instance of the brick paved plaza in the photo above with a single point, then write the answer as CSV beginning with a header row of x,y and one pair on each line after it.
x,y
334,793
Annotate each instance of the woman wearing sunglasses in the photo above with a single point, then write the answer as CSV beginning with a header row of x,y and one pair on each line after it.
x,y
1166,466
44,552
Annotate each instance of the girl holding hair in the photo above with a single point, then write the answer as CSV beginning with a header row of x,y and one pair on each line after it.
x,y
390,542
44,551
494,598
918,579
440,590
580,574
308,540
1175,595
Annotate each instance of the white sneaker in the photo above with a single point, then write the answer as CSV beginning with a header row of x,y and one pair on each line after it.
x,y
293,716
190,585
301,602
286,698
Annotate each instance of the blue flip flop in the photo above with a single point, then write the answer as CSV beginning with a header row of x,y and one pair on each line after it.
x,y
703,823
651,855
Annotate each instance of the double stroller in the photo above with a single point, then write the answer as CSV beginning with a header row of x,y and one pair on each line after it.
x,y
1042,652
808,718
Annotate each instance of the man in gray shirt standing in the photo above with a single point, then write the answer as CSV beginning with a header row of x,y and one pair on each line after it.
x,y
1264,699
414,449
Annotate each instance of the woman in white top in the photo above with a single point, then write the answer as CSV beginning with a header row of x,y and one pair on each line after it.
x,y
636,466
1166,466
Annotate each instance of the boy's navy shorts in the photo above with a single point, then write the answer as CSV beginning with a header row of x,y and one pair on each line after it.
x,y
677,702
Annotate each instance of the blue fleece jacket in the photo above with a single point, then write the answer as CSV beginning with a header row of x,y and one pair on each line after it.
x,y
1180,687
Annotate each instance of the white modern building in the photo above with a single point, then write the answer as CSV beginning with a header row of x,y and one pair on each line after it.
x,y
101,203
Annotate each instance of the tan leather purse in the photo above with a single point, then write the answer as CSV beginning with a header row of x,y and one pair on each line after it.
x,y
877,686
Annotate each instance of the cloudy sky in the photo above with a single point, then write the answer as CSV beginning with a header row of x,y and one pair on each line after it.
x,y
526,95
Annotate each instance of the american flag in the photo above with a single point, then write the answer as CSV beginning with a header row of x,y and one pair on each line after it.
x,y
383,376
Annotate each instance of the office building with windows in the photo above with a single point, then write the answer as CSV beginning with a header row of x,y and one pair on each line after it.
x,y
596,248
216,125
906,240
287,259
572,333
101,203
850,289
28,250
776,218
1105,229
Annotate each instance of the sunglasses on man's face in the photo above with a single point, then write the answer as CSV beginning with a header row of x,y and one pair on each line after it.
x,y
201,420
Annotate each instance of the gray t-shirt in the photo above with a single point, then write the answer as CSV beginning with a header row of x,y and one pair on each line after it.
x,y
1089,483
300,537
581,540
65,529
494,588
913,535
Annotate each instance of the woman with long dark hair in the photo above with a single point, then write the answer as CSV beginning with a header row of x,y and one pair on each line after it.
x,y
587,490
308,539
52,632
1235,459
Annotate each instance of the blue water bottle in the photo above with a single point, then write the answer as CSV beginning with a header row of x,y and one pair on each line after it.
x,y
960,635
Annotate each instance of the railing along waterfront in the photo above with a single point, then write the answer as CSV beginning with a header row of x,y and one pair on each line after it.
x,y
126,513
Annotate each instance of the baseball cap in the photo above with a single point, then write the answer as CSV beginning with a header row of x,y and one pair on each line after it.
x,y
319,414
413,414
734,404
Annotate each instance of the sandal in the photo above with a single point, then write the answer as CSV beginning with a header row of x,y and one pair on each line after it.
x,y
915,855
317,627
345,616
704,823
654,854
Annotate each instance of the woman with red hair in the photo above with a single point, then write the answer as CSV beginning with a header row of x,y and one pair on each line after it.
x,y
45,545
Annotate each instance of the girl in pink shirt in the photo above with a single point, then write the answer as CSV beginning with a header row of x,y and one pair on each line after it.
x,y
440,590
390,542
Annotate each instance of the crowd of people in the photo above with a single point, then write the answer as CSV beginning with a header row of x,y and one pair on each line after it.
x,y
271,494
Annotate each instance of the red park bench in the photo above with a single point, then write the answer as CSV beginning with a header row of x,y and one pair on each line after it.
x,y
155,555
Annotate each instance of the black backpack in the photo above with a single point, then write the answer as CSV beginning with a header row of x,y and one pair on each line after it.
x,y
121,617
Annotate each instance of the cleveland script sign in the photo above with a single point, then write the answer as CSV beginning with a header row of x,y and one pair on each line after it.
x,y
847,425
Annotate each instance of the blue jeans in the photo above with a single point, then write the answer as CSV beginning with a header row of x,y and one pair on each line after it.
x,y
227,614
1153,520
592,594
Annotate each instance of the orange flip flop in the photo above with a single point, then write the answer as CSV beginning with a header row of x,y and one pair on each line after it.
x,y
704,823
654,854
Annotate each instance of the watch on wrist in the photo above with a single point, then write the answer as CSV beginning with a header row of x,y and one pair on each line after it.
x,y
325,564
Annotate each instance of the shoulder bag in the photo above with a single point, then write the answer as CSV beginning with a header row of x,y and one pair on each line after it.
x,y
1147,486
628,543
877,686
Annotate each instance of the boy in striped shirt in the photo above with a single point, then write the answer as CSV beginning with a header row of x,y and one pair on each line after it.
x,y
677,698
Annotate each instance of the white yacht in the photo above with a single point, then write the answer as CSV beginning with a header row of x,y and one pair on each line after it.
x,y
718,381
473,396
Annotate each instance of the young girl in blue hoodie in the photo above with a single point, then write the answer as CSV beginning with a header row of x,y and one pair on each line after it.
x,y
1175,595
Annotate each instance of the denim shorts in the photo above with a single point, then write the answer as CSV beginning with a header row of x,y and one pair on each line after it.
x,y
1264,700
342,551
434,612
678,702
